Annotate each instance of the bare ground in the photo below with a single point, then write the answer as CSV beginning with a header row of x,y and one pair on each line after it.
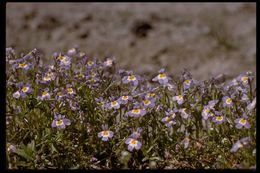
x,y
206,38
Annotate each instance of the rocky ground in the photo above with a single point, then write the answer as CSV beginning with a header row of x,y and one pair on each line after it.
x,y
206,38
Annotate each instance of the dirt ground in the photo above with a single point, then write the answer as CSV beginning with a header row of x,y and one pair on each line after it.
x,y
206,38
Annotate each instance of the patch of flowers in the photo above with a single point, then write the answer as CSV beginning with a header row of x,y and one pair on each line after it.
x,y
82,112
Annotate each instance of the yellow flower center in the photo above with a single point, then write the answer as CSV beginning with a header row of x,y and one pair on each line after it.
x,y
244,79
59,123
90,63
187,82
114,103
242,121
133,142
124,97
47,78
146,102
70,90
168,119
179,97
44,93
162,75
22,65
150,94
59,93
229,101
61,58
25,89
81,54
136,111
131,78
173,115
219,118
105,133
206,110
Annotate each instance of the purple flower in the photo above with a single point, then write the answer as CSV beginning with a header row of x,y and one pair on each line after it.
x,y
148,103
60,122
64,61
25,89
16,94
239,144
162,78
227,101
186,141
184,114
133,144
10,148
242,122
206,112
136,112
212,103
169,120
45,95
49,76
72,51
108,62
187,83
70,91
105,134
91,64
22,65
113,105
218,119
178,98
136,134
130,79
59,94
124,99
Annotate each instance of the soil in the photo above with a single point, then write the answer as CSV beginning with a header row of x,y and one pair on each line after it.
x,y
206,38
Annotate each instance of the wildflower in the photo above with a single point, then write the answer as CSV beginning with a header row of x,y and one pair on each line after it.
x,y
136,134
169,120
23,65
206,112
16,94
227,101
252,105
130,79
49,76
114,104
70,90
72,51
124,99
187,84
184,114
45,95
133,143
91,64
105,134
64,60
60,122
218,119
108,62
186,141
239,144
162,78
148,103
179,99
10,148
212,103
136,112
26,89
242,122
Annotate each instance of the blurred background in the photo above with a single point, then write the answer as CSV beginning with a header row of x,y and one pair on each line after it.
x,y
206,38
